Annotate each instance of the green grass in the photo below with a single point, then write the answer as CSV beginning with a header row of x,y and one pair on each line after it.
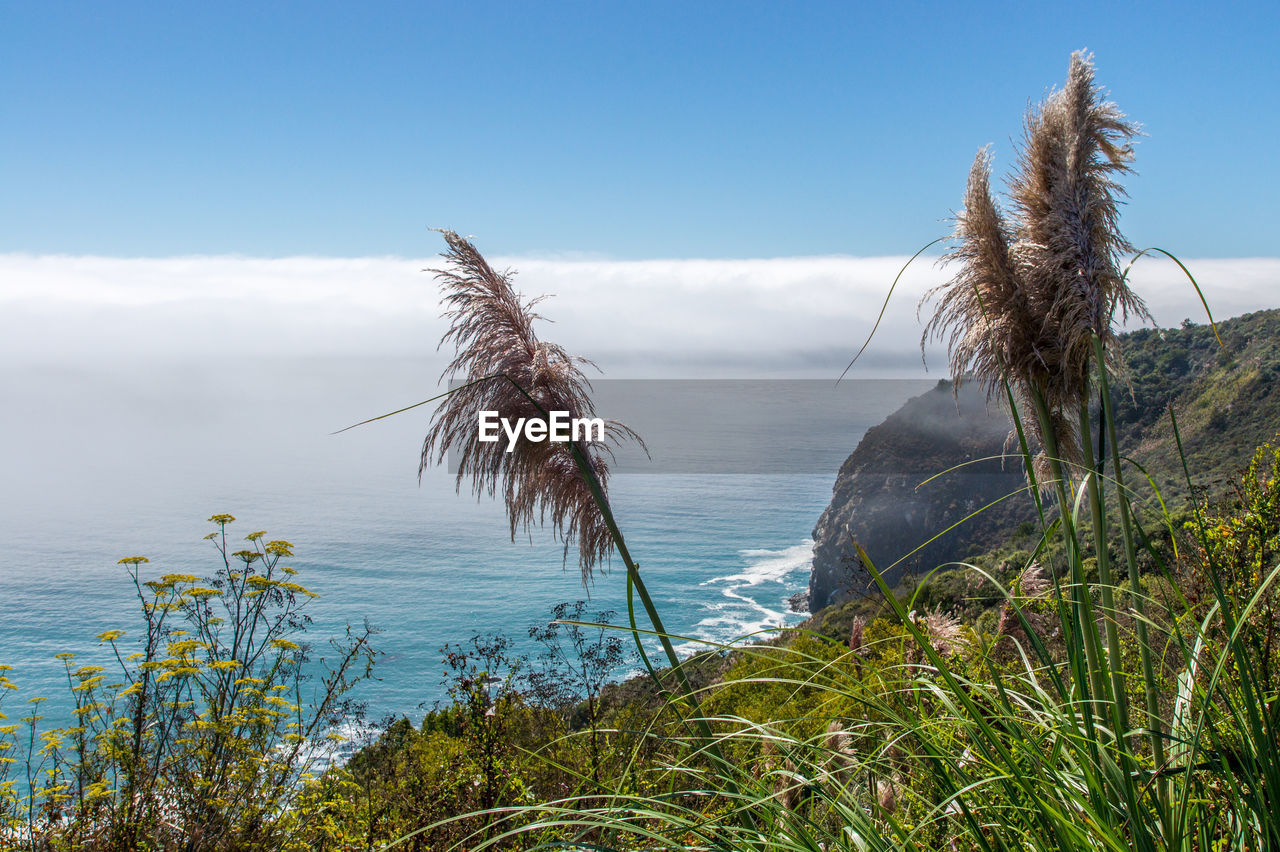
x,y
1004,744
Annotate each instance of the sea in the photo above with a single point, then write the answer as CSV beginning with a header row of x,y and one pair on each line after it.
x,y
103,465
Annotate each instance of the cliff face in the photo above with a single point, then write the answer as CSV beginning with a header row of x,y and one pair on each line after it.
x,y
879,497
1227,399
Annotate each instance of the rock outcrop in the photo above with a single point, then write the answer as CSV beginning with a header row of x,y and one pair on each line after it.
x,y
880,498
1223,382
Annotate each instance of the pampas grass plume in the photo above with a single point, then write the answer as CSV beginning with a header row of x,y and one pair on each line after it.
x,y
1034,287
504,367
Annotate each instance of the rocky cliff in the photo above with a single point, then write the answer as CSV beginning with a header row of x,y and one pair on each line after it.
x,y
881,497
1227,397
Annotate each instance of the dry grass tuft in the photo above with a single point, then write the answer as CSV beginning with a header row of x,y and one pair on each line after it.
x,y
1032,289
504,367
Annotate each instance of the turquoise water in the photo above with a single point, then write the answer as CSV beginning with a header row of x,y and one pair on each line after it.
x,y
720,555
102,469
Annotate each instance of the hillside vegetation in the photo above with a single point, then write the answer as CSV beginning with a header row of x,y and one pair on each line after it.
x,y
1101,673
804,713
889,497
820,725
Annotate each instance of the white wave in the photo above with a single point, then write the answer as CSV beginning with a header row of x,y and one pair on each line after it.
x,y
746,609
770,565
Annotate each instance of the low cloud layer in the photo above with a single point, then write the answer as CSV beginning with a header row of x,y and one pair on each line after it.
x,y
657,318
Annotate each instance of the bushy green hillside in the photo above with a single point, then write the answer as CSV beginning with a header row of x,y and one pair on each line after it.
x,y
1225,396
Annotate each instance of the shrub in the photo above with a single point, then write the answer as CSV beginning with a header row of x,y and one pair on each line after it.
x,y
208,726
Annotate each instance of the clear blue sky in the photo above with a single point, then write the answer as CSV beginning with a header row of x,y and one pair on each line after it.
x,y
620,129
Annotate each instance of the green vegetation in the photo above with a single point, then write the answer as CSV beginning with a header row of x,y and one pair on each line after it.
x,y
1104,679
1098,708
1225,394
204,731
956,712
893,724
889,495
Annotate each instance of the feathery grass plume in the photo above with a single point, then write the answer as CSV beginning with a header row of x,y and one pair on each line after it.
x,y
1032,582
505,368
1032,585
840,755
886,794
857,640
787,786
983,313
944,632
836,738
857,633
1065,199
1031,292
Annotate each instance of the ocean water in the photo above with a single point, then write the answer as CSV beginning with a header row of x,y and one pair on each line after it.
x,y
103,467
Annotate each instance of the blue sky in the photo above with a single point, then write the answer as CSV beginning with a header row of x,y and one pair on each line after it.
x,y
608,130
